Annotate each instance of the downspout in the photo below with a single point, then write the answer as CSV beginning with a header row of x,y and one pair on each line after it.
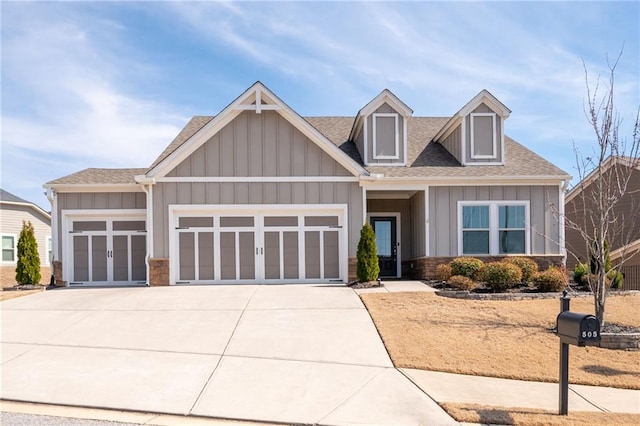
x,y
147,187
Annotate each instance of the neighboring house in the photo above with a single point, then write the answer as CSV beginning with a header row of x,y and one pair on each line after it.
x,y
625,245
13,211
259,193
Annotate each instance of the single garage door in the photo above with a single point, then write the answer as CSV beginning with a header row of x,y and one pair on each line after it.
x,y
105,251
250,246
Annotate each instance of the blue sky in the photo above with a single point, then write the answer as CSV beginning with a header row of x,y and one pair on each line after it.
x,y
109,84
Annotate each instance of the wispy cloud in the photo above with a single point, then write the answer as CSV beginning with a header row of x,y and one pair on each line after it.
x,y
64,98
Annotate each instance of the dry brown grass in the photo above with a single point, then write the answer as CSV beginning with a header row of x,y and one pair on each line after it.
x,y
473,413
508,339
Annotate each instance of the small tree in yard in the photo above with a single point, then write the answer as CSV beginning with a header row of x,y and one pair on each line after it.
x,y
28,267
368,267
596,212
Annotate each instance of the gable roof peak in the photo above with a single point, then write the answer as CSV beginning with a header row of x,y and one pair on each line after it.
x,y
484,97
386,96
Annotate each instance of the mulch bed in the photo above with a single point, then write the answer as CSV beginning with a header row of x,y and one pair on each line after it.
x,y
366,284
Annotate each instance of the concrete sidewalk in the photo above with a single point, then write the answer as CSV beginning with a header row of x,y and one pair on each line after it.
x,y
287,354
446,387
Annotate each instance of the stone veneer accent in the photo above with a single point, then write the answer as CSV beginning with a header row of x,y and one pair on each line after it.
x,y
352,273
57,273
425,267
8,275
158,272
621,341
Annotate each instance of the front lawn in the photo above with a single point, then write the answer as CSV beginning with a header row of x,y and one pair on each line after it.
x,y
508,339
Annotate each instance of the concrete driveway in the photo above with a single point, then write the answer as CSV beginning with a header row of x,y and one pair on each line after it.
x,y
293,354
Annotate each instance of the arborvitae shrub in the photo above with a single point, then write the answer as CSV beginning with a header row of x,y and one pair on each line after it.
x,y
28,266
469,267
500,276
368,268
579,272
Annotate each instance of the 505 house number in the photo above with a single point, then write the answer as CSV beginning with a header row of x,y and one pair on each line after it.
x,y
587,334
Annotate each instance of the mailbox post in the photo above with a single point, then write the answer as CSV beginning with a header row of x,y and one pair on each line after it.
x,y
573,329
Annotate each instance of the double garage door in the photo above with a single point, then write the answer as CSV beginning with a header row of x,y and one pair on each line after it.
x,y
248,246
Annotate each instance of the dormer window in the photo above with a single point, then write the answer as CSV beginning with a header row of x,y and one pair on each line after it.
x,y
386,136
484,142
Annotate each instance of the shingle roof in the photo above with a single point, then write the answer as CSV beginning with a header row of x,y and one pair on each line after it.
x,y
9,197
99,176
195,124
425,158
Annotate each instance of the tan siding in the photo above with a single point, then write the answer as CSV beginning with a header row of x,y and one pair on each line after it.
x,y
254,193
627,211
443,214
11,218
259,145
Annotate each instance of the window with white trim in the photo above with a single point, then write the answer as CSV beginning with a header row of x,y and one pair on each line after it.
x,y
386,136
49,250
484,142
493,227
8,248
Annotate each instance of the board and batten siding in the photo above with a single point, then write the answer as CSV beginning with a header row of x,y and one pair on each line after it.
x,y
453,143
418,224
483,141
263,144
11,218
443,214
97,201
253,193
385,109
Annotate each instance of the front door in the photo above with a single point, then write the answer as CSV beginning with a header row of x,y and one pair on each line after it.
x,y
387,244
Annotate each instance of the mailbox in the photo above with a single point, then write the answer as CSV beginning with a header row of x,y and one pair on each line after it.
x,y
578,329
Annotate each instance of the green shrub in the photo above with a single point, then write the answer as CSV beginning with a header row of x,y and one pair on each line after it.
x,y
368,268
528,267
615,278
469,267
461,282
500,276
28,265
443,272
579,272
553,279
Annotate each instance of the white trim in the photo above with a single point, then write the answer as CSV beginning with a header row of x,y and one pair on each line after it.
x,y
494,143
386,96
631,247
48,241
561,222
15,249
593,175
364,206
427,248
238,179
259,212
31,205
396,215
463,142
396,142
365,139
494,225
401,183
70,215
